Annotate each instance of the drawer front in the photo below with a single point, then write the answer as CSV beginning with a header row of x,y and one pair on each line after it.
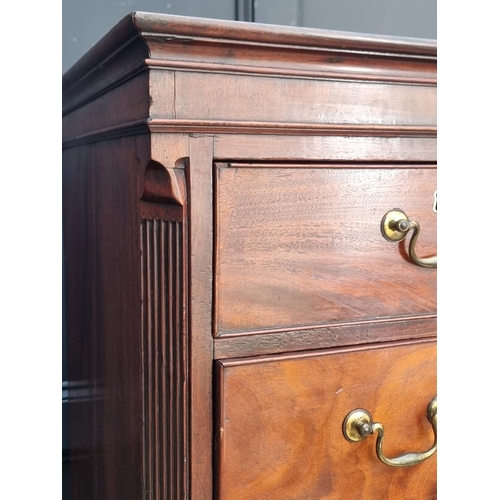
x,y
280,424
301,245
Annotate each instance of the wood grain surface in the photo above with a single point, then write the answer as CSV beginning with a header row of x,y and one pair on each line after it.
x,y
200,349
280,424
103,291
323,336
231,97
276,250
312,147
302,246
218,46
164,363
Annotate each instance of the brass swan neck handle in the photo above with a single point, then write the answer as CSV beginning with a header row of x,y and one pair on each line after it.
x,y
395,226
359,424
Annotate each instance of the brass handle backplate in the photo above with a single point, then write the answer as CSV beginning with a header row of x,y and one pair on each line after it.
x,y
395,226
359,424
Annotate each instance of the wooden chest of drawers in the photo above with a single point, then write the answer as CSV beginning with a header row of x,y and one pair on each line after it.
x,y
231,297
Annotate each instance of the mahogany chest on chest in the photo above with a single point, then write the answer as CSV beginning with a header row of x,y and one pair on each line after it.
x,y
250,232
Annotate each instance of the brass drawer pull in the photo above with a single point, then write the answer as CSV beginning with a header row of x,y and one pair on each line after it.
x,y
395,226
359,424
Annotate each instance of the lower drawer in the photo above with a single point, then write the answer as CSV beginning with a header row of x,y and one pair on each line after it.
x,y
280,424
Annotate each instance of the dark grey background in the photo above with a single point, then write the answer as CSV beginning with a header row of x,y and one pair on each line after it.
x,y
85,22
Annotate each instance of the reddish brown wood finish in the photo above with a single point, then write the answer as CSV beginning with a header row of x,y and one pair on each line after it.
x,y
204,162
164,356
266,401
301,245
347,147
236,98
322,336
103,270
200,307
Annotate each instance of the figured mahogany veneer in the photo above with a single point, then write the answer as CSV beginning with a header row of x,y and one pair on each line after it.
x,y
224,185
265,401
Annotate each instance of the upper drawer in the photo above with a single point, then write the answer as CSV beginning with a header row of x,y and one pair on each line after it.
x,y
301,245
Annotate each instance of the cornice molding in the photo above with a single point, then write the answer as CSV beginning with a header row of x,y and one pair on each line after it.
x,y
165,26
246,127
342,73
179,43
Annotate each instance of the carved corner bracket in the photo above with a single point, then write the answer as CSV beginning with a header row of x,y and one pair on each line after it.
x,y
164,184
